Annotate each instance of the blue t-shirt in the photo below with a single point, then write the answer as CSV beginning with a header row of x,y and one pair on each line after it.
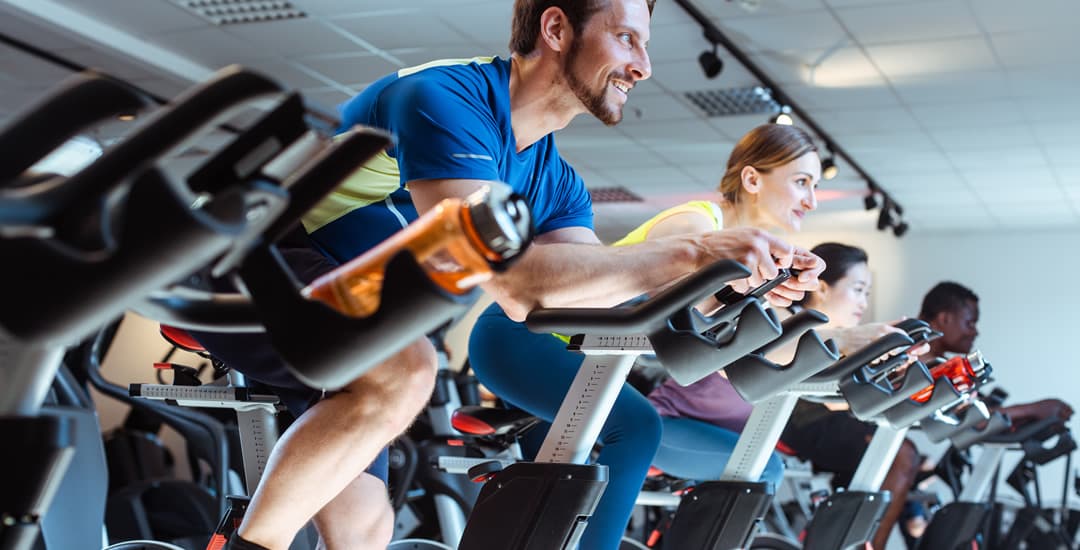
x,y
451,119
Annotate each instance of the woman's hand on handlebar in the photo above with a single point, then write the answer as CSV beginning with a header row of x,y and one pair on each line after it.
x,y
763,254
809,266
851,339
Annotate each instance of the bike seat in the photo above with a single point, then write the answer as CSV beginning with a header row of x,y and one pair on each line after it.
x,y
487,421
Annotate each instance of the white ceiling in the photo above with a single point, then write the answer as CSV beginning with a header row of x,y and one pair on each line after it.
x,y
961,109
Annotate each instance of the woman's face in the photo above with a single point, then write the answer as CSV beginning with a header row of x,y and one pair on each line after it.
x,y
782,197
845,301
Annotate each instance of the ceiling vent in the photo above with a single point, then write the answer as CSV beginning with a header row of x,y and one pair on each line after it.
x,y
236,12
751,100
613,194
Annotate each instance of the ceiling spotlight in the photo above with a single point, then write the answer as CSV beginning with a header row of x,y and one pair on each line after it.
x,y
829,168
783,117
900,228
870,202
126,116
885,218
710,63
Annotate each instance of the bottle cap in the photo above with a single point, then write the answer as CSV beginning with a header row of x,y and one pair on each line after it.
x,y
501,218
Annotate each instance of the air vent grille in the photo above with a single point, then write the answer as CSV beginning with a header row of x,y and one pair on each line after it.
x,y
236,12
613,194
751,100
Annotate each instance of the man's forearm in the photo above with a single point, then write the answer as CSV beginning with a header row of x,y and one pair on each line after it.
x,y
591,275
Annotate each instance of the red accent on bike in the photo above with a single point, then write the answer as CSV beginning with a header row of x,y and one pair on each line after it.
x,y
455,442
469,425
217,542
784,449
654,537
483,478
655,472
163,366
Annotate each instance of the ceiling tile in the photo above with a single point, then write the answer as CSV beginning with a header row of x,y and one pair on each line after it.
x,y
804,30
385,32
328,98
661,134
1057,133
1060,83
898,61
896,143
140,18
604,158
902,163
953,87
419,56
734,127
1010,15
30,70
1027,49
866,121
1015,157
907,22
842,97
212,47
989,178
676,42
112,64
295,38
969,114
289,73
832,68
1000,137
354,68
698,153
1002,198
683,76
654,108
38,34
744,8
953,196
487,22
652,180
1063,157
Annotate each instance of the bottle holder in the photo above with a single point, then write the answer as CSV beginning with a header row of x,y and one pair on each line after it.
x,y
689,355
57,293
909,411
78,103
757,378
868,397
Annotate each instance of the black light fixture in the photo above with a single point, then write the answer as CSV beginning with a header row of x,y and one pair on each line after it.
x,y
829,170
884,219
900,228
710,62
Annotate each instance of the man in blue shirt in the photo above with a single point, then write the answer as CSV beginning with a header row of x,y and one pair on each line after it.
x,y
460,124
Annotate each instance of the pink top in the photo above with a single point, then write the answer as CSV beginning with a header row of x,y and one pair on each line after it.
x,y
712,399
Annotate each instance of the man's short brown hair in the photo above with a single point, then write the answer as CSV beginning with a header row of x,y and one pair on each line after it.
x,y
526,24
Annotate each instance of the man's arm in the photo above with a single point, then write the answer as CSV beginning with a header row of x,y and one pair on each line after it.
x,y
569,267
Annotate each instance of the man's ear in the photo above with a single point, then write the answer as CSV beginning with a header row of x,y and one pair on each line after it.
x,y
941,320
751,180
555,30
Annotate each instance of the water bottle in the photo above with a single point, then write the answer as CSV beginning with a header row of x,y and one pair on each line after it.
x,y
963,370
459,243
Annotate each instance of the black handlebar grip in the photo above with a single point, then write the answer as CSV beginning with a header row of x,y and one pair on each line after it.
x,y
848,365
643,317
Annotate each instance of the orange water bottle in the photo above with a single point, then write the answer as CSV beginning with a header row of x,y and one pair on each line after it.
x,y
458,243
963,370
